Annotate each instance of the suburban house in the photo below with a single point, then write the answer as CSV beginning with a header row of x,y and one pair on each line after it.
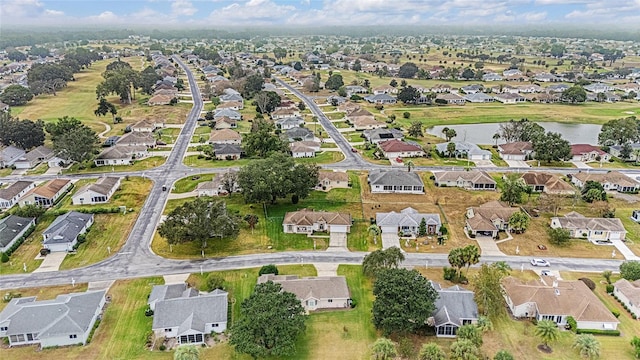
x,y
520,150
66,320
97,193
10,195
328,180
13,228
384,89
315,293
46,195
588,153
555,300
355,89
616,150
464,150
451,99
283,113
147,125
628,292
307,221
225,123
393,149
298,134
156,100
227,151
217,185
187,315
120,155
62,234
472,89
407,222
478,97
611,181
547,183
303,149
233,105
232,114
225,136
137,138
596,230
380,99
376,136
455,307
289,122
9,155
509,98
34,157
489,218
471,180
395,181
365,122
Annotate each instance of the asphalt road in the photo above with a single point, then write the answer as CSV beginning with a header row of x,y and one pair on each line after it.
x,y
136,259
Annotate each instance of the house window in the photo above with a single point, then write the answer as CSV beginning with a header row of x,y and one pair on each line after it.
x,y
330,300
417,188
4,328
73,336
448,330
16,338
189,339
598,232
407,188
311,303
215,325
466,322
30,337
167,330
387,187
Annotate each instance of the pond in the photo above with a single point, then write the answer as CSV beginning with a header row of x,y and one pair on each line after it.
x,y
483,133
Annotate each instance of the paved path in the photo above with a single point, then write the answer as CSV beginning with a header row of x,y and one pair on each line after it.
x,y
176,278
325,269
624,250
390,240
488,246
581,165
182,195
517,163
108,128
51,262
337,241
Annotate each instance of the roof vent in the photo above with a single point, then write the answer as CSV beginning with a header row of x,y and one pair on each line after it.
x,y
557,291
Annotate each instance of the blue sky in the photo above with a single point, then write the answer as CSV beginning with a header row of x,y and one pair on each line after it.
x,y
219,13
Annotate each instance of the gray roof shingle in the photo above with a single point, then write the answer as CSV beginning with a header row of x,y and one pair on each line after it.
x,y
66,228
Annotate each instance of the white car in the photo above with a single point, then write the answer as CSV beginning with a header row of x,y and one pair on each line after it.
x,y
540,262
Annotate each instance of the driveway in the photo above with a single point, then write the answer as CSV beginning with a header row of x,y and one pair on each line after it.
x,y
483,163
488,246
630,198
624,250
517,163
51,262
581,165
390,240
326,269
337,241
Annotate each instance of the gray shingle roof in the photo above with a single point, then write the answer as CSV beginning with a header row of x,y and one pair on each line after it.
x,y
11,226
66,228
14,189
222,149
453,304
168,292
324,287
407,217
66,314
191,313
394,177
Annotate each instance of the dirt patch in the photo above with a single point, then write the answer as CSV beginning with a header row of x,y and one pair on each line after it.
x,y
545,349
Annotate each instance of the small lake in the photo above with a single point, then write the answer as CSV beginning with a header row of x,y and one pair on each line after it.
x,y
483,133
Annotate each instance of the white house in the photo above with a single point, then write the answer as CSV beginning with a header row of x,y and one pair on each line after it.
x,y
66,320
395,181
301,149
455,307
328,180
97,193
464,149
10,195
34,157
9,155
46,195
611,181
628,292
314,293
13,228
596,230
588,153
520,150
62,234
407,222
307,221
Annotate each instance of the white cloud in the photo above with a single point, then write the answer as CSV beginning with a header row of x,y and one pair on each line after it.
x,y
54,12
535,16
182,8
254,12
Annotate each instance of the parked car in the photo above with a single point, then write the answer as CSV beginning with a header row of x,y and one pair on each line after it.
x,y
540,262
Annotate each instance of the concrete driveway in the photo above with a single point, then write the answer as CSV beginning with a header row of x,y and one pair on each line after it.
x,y
51,262
483,163
488,246
581,165
517,163
337,241
390,240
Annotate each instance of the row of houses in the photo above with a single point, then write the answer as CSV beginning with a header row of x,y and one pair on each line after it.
x,y
523,150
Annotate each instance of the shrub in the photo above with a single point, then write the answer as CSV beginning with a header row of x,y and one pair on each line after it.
x,y
590,284
615,313
379,107
406,114
353,303
405,348
294,199
214,282
148,311
162,347
599,332
449,273
572,324
4,258
609,289
268,269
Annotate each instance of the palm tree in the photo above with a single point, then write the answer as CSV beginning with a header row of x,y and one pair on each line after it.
x,y
547,331
384,349
636,152
588,346
431,351
451,148
375,230
445,130
409,164
496,137
188,352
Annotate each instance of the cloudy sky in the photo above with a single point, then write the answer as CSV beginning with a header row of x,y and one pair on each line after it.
x,y
218,13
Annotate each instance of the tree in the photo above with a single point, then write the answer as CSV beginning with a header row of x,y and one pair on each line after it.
x,y
25,134
266,101
16,55
557,50
521,130
551,147
271,320
29,211
593,191
496,137
468,73
415,129
408,95
408,70
252,220
297,66
630,270
252,85
278,176
149,78
559,236
187,352
262,141
404,300
268,269
450,134
635,342
375,230
464,350
519,222
488,292
16,95
393,82
334,82
378,260
214,282
463,257
72,140
383,349
199,220
484,324
512,189
470,332
431,351
619,131
503,355
410,165
574,94
105,107
279,53
451,149
547,331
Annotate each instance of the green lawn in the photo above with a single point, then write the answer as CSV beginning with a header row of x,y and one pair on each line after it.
x,y
38,170
138,165
495,158
326,157
194,161
189,183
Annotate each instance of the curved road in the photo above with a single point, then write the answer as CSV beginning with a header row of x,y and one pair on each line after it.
x,y
136,259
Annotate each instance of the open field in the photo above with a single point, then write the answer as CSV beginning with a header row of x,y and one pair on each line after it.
x,y
189,183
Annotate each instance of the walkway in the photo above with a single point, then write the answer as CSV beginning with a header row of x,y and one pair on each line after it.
x,y
108,128
624,250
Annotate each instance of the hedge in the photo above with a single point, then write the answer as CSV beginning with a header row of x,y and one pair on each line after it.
x,y
100,210
599,332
